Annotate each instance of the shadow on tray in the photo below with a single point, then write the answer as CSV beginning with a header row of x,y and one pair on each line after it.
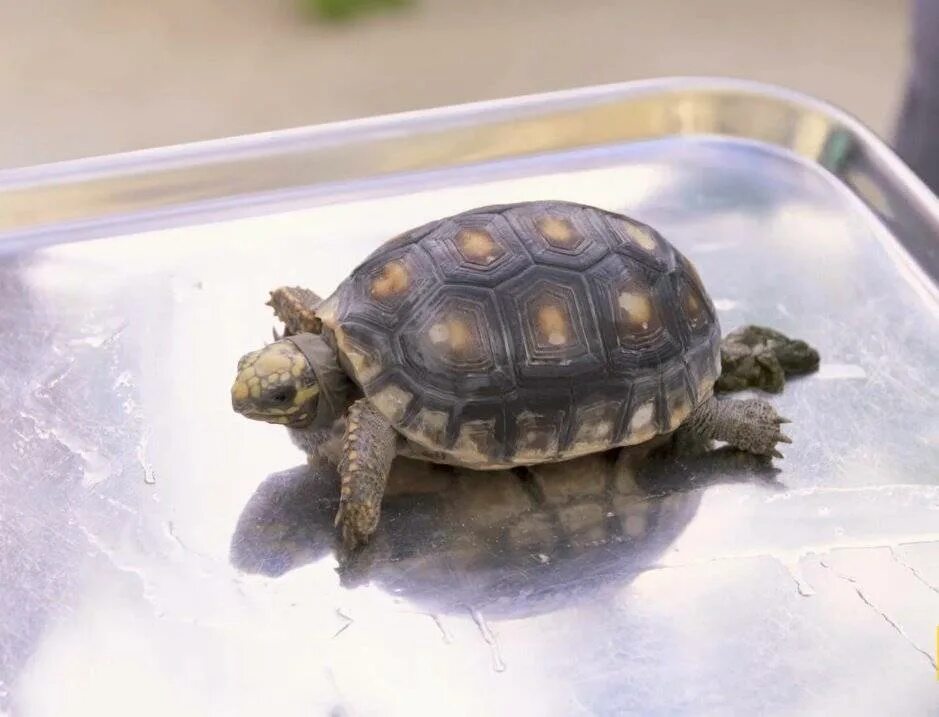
x,y
515,542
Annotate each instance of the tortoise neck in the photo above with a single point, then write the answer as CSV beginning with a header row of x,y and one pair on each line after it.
x,y
335,386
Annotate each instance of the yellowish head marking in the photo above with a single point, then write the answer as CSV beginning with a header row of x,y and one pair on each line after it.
x,y
272,362
240,390
275,385
306,394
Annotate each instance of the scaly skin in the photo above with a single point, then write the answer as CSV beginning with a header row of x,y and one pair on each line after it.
x,y
367,454
750,425
758,357
296,307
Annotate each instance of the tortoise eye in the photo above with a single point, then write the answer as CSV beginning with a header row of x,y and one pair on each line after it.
x,y
283,395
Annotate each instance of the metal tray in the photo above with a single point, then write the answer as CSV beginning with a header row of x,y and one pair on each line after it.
x,y
160,555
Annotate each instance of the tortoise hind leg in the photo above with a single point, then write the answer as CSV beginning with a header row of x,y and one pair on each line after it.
x,y
759,357
750,425
296,307
368,450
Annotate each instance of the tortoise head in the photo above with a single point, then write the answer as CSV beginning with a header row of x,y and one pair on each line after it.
x,y
276,384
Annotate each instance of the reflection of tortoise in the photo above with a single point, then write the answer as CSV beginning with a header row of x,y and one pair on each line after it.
x,y
529,540
503,336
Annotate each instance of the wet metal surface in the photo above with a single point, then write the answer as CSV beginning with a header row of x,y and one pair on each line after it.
x,y
160,555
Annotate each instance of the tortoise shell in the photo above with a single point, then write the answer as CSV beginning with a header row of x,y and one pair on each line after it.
x,y
526,333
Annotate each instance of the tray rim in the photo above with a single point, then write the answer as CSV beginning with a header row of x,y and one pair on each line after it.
x,y
923,205
283,141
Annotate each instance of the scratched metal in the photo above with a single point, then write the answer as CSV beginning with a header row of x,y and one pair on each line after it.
x,y
160,555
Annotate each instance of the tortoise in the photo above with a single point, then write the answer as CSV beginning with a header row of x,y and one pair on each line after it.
x,y
503,336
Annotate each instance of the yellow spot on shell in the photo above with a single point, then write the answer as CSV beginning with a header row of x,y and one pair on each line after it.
x,y
558,231
477,246
439,333
432,424
392,401
472,442
679,413
454,332
460,335
642,236
638,308
553,324
594,433
364,368
538,438
641,426
392,281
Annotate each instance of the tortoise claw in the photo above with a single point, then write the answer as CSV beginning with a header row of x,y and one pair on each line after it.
x,y
776,454
783,438
783,419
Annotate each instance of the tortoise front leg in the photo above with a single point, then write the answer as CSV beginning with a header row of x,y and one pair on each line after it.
x,y
367,452
296,307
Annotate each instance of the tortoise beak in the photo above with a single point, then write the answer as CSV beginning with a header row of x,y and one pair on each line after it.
x,y
241,394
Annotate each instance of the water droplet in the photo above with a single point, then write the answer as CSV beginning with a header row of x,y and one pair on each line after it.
x,y
795,572
444,633
498,664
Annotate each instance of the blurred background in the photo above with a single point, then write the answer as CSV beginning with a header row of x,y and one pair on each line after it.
x,y
89,77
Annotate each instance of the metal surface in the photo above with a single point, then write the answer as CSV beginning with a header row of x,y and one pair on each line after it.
x,y
161,555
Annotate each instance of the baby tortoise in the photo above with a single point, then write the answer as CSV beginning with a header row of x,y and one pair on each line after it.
x,y
502,336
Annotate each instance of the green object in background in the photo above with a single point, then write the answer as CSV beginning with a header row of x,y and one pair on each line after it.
x,y
347,9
